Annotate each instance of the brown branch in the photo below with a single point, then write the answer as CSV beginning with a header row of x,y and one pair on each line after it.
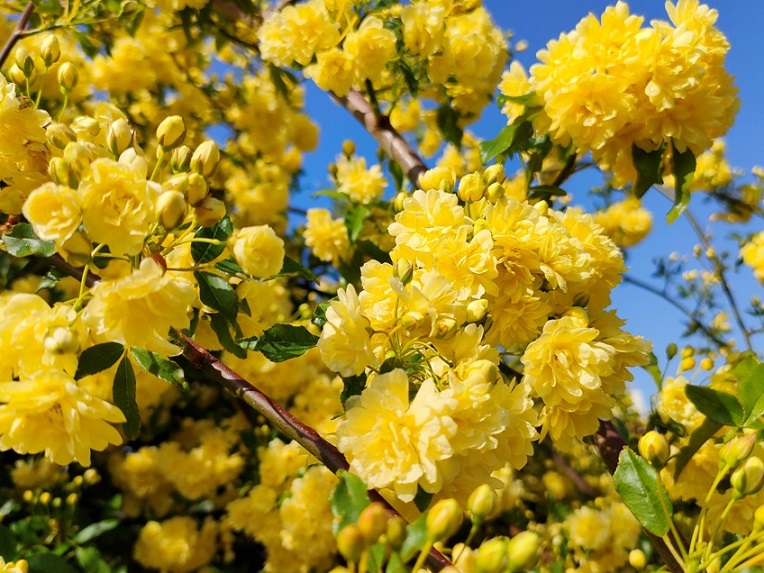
x,y
578,481
17,33
610,444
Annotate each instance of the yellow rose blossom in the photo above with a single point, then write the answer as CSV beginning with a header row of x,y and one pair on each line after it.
x,y
514,83
20,566
143,485
712,170
752,253
673,404
370,47
48,412
359,183
326,237
626,222
118,204
423,27
333,71
37,473
394,444
140,309
55,212
258,250
176,544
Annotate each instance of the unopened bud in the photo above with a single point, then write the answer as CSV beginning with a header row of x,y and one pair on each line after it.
x,y
492,556
671,350
72,498
736,450
50,51
91,476
494,192
28,495
351,543
412,320
687,364
471,188
209,211
404,271
476,310
441,178
715,566
748,478
494,174
373,521
62,341
171,208
59,171
523,551
119,137
395,532
78,155
707,364
180,160
637,559
444,328
56,502
485,370
60,135
758,519
688,351
24,61
654,448
198,190
206,158
171,132
348,148
45,498
68,76
444,519
16,75
398,201
87,125
482,503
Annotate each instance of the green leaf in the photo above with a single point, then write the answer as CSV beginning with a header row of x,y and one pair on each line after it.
x,y
498,145
229,266
750,375
699,437
422,499
292,267
353,386
124,398
281,342
21,241
683,166
416,537
524,99
159,366
654,370
648,166
716,405
348,500
206,252
395,564
376,557
49,563
354,220
447,119
7,543
98,358
218,294
50,279
639,485
545,192
319,314
220,326
94,530
91,560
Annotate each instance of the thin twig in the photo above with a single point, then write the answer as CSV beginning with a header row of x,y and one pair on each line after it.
x,y
578,481
17,33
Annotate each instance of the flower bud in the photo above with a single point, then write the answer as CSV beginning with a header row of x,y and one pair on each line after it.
x,y
671,350
523,551
492,556
476,310
471,188
198,190
373,521
485,370
748,478
654,447
45,497
91,476
404,271
494,174
444,328
180,160
395,532
171,208
119,137
59,171
86,125
206,158
688,351
687,364
412,320
24,61
50,51
171,132
28,495
348,148
78,156
444,519
398,201
637,559
68,76
494,192
351,543
442,178
72,499
60,135
16,75
56,502
209,211
62,341
758,519
482,503
736,450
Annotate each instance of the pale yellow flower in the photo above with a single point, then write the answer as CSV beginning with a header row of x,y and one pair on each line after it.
x,y
326,237
176,544
55,212
626,222
258,250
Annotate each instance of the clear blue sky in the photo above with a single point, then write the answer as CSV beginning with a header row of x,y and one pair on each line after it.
x,y
537,23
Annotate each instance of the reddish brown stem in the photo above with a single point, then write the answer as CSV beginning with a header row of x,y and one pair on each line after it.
x,y
16,34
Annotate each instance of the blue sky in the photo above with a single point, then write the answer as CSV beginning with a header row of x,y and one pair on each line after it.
x,y
537,23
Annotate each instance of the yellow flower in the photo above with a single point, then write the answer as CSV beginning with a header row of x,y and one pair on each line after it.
x,y
20,566
394,444
753,255
333,71
176,545
626,222
326,237
370,47
673,404
48,412
118,204
258,250
140,309
515,82
137,475
423,27
360,184
55,212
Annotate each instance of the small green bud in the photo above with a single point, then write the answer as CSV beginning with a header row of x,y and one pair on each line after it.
x,y
494,174
395,532
348,148
482,503
492,556
206,158
444,519
180,160
68,76
16,75
59,171
398,201
494,192
56,503
654,448
444,328
24,61
476,310
171,208
209,211
351,543
748,478
523,550
119,137
60,135
736,450
373,521
50,51
171,132
671,350
404,271
413,319
471,188
198,190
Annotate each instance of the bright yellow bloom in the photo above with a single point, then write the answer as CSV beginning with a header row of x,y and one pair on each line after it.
x,y
55,212
423,27
258,250
370,47
333,71
48,412
176,544
626,222
140,309
20,566
360,184
753,255
326,237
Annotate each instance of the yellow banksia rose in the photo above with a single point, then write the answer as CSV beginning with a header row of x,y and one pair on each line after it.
x,y
423,27
140,309
48,412
118,203
371,47
626,222
333,71
258,250
393,443
359,183
753,255
55,212
326,237
176,544
20,566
